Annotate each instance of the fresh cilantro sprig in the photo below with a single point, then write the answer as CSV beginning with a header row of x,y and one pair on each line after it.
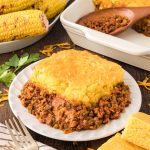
x,y
8,69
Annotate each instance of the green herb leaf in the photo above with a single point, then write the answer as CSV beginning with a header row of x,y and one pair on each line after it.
x,y
23,60
7,77
7,70
33,57
3,68
13,61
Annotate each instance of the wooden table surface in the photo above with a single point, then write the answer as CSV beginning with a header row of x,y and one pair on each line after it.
x,y
58,35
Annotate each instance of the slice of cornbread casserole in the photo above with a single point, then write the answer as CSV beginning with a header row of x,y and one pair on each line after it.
x,y
75,90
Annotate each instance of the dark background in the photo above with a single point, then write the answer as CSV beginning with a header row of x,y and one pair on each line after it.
x,y
58,35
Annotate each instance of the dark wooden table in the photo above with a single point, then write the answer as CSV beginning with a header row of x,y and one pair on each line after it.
x,y
58,35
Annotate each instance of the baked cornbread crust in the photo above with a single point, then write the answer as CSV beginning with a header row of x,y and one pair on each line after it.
x,y
78,76
103,4
137,130
117,143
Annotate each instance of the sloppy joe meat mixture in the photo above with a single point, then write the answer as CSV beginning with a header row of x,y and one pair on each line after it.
x,y
59,113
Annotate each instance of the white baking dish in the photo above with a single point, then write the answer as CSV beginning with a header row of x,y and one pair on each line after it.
x,y
129,47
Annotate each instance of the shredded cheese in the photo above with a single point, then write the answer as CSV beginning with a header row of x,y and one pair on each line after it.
x,y
48,49
145,83
1,105
3,97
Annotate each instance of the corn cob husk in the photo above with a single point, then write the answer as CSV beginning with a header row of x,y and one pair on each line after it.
x,y
7,6
50,7
21,24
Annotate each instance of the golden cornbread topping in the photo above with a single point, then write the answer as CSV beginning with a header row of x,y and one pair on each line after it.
x,y
79,76
102,4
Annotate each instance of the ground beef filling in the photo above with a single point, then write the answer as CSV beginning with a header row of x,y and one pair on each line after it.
x,y
105,24
57,112
143,27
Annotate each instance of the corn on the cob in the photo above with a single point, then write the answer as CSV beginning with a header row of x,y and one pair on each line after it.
x,y
50,7
7,6
21,24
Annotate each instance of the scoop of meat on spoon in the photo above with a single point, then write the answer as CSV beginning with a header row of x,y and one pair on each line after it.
x,y
115,20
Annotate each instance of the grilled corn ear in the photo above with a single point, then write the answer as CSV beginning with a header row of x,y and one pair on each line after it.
x,y
21,24
7,6
50,7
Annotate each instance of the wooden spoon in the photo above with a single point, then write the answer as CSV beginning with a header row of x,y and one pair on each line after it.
x,y
133,14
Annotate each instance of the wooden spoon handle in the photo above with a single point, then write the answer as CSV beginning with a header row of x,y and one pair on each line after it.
x,y
140,12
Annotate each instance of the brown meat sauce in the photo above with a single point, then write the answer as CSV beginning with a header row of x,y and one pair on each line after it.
x,y
105,24
143,26
57,112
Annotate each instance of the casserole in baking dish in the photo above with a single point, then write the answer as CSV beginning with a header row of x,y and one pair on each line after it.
x,y
143,26
129,47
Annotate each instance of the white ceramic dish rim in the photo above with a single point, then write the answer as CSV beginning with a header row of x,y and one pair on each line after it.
x,y
29,120
102,38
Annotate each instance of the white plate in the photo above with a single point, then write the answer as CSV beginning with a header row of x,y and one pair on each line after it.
x,y
19,44
32,123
